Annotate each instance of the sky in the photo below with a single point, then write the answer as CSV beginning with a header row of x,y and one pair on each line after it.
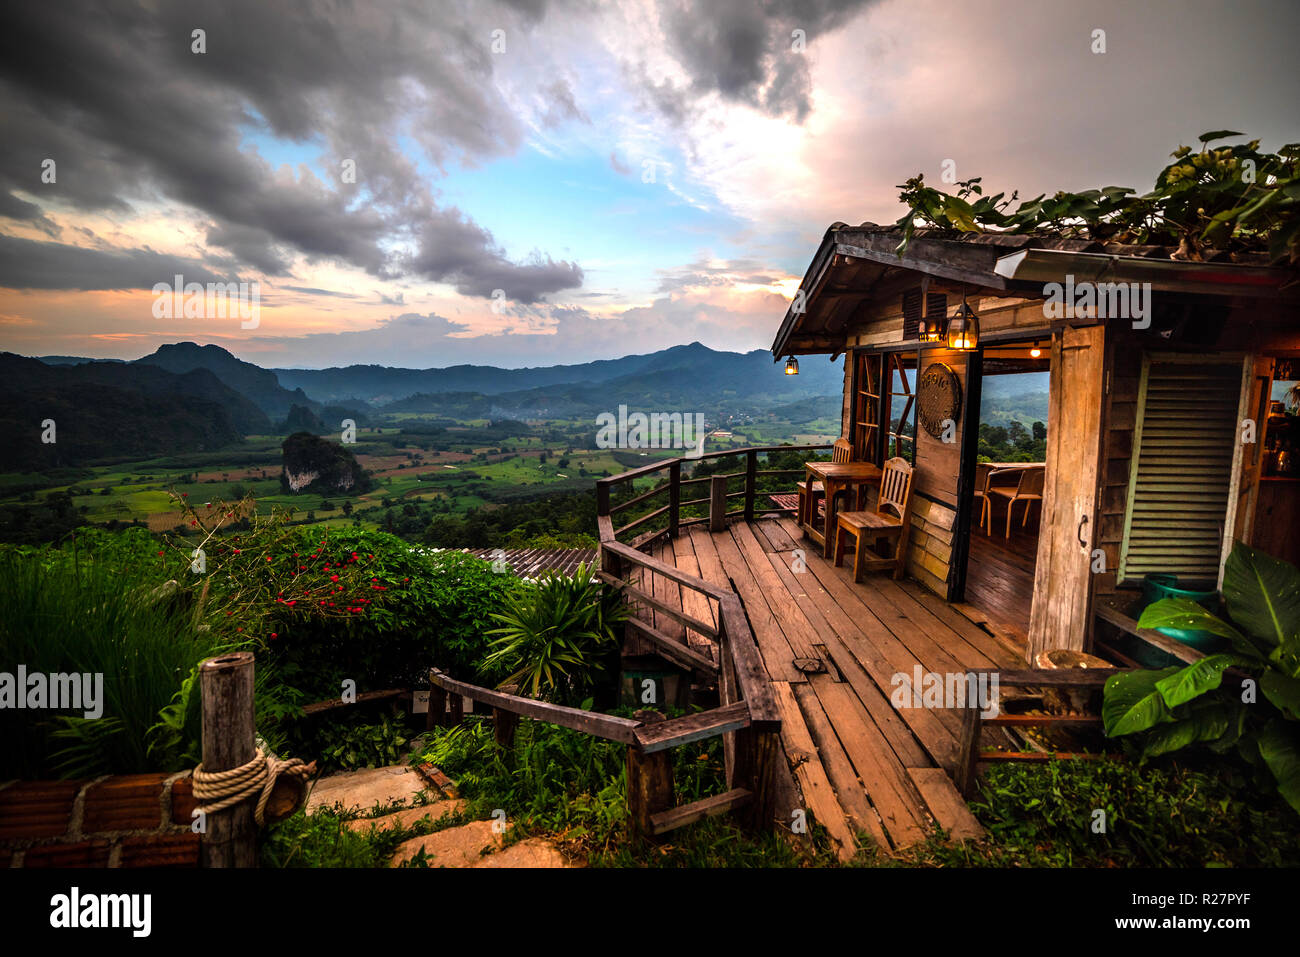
x,y
528,183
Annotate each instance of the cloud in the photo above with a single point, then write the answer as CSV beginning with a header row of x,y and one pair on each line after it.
x,y
130,114
29,264
456,250
745,50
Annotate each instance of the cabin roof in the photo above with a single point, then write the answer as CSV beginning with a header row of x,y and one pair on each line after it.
x,y
856,264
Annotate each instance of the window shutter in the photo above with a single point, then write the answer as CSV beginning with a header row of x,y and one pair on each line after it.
x,y
911,314
1181,470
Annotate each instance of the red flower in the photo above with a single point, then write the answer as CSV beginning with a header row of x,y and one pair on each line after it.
x,y
274,635
334,578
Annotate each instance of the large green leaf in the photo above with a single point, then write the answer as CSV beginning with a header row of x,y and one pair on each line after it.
x,y
1133,703
1263,595
1284,692
1206,721
1197,678
1184,613
1279,745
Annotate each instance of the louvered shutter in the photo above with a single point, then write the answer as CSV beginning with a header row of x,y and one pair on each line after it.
x,y
912,302
1181,470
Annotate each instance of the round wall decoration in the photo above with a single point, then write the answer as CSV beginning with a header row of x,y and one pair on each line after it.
x,y
938,398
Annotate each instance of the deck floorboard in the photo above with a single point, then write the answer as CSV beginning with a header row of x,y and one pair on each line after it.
x,y
866,766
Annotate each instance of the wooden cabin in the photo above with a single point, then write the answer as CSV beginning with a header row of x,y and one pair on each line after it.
x,y
1167,432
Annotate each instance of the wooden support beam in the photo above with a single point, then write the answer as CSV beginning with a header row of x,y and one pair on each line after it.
x,y
718,503
676,652
226,685
968,752
662,735
589,722
437,715
1123,622
670,820
751,468
649,782
504,724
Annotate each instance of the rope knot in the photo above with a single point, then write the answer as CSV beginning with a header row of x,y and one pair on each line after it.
x,y
219,790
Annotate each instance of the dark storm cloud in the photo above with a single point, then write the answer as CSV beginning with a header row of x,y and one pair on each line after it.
x,y
457,250
743,49
28,264
114,94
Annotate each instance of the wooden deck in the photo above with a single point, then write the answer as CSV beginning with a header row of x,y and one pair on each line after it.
x,y
831,648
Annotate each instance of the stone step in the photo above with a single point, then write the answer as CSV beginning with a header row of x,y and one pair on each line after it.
x,y
406,817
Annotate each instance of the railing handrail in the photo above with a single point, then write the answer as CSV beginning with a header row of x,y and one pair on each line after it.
x,y
661,464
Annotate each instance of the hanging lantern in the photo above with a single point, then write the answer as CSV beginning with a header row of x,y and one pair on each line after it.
x,y
792,366
1035,351
964,328
930,329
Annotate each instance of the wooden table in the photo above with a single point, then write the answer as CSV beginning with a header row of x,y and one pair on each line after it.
x,y
835,477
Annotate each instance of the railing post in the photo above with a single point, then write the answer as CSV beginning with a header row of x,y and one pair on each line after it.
x,y
437,715
674,497
602,498
718,504
504,724
649,781
755,767
229,838
751,469
968,749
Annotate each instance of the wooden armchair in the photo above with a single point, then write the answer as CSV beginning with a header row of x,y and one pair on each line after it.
x,y
810,498
1028,490
889,522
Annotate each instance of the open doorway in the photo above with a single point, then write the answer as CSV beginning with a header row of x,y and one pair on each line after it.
x,y
1006,503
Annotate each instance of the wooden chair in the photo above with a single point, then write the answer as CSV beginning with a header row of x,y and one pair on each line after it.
x,y
841,451
890,521
1028,490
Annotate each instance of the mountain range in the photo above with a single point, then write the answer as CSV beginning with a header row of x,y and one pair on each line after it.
x,y
186,396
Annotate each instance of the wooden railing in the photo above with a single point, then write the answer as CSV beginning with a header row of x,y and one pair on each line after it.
x,y
969,754
668,518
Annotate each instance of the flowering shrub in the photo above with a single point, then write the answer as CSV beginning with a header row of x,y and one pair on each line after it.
x,y
323,605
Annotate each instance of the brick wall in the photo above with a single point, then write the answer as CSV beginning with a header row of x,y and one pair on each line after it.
x,y
125,820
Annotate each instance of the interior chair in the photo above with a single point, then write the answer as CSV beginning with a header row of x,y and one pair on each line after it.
x,y
1028,490
888,523
982,471
810,498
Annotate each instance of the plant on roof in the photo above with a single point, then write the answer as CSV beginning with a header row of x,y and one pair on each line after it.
x,y
1234,198
1259,714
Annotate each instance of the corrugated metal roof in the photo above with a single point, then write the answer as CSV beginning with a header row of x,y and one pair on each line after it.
x,y
532,562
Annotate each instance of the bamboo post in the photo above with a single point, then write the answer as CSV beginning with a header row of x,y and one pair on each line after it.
x,y
649,781
718,504
229,838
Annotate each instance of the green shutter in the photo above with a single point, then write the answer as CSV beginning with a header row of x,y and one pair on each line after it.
x,y
1181,469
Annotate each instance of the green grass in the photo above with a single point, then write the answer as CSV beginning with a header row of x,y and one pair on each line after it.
x,y
66,613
